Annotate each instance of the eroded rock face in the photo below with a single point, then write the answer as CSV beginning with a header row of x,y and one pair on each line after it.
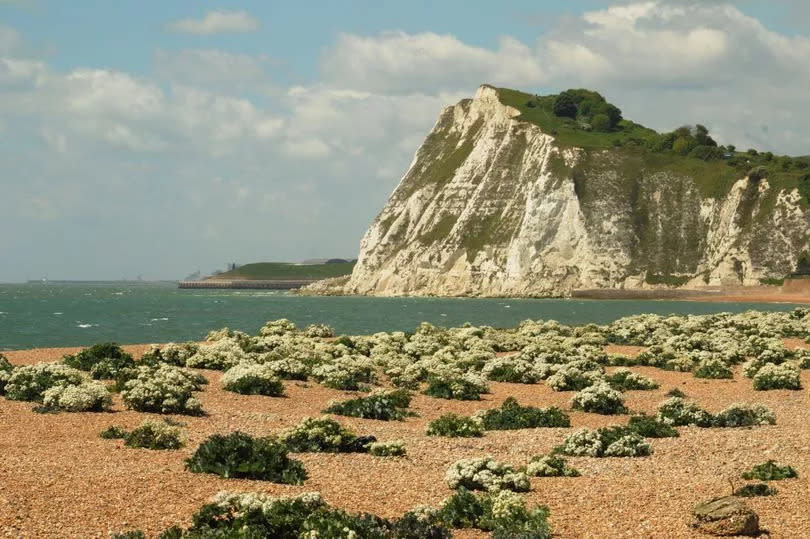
x,y
492,206
726,516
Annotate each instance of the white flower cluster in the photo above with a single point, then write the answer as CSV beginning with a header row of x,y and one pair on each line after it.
x,y
511,369
771,376
164,389
507,506
630,380
550,466
317,434
282,326
345,372
221,354
5,373
394,448
584,442
599,398
174,353
252,378
677,412
572,376
88,396
29,382
240,503
319,331
485,474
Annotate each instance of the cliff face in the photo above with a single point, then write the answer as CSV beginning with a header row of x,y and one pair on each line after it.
x,y
492,206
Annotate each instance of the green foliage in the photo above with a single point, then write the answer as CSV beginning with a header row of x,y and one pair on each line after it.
x,y
164,390
627,380
383,405
324,435
755,489
134,534
550,466
713,368
744,415
30,382
512,415
252,379
102,361
113,432
239,455
564,106
155,435
5,373
394,448
455,426
675,392
651,427
771,376
601,122
457,388
616,441
284,270
504,514
770,471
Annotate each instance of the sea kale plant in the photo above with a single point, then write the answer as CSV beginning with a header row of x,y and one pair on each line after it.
x,y
5,373
385,405
58,387
504,513
512,415
239,455
627,380
466,387
770,471
156,435
599,398
485,474
394,448
172,353
164,389
771,376
456,426
252,379
616,441
550,466
102,361
323,435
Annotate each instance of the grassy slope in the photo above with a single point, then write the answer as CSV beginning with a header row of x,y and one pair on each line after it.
x,y
283,270
713,178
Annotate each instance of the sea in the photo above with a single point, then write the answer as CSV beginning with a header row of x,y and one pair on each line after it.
x,y
36,315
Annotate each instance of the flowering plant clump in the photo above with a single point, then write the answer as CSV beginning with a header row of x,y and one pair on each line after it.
x,y
318,331
346,372
29,382
323,435
460,387
744,415
288,368
103,360
252,379
550,466
652,427
677,412
770,376
241,455
395,448
164,389
605,442
511,369
385,405
573,378
626,380
770,471
305,516
713,367
155,435
219,355
172,353
512,415
455,426
5,373
485,474
282,326
504,513
89,396
599,398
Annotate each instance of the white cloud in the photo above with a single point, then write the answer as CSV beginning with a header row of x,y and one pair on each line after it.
x,y
217,22
401,63
208,68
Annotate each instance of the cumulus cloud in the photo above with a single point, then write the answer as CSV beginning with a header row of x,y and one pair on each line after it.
x,y
401,63
217,22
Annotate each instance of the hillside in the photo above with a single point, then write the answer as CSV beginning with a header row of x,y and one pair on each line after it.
x,y
282,270
521,195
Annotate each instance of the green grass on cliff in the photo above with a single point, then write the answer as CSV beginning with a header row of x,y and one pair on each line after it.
x,y
282,270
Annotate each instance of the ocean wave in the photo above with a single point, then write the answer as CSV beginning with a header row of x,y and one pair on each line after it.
x,y
58,313
158,319
84,326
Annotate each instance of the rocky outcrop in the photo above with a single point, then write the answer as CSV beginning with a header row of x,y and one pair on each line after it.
x,y
726,516
493,206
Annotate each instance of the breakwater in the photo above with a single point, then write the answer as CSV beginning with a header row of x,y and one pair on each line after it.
x,y
272,284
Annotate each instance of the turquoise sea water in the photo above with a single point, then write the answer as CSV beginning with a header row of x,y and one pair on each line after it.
x,y
40,315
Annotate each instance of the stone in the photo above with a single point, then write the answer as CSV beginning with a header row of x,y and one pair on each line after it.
x,y
726,516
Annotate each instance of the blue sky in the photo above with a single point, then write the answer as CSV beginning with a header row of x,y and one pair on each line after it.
x,y
159,138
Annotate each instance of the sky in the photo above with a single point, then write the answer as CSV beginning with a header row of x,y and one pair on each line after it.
x,y
157,138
